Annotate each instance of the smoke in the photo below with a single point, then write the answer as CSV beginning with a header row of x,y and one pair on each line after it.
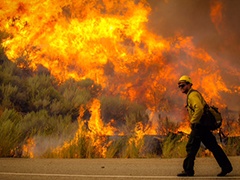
x,y
43,144
192,18
213,26
107,41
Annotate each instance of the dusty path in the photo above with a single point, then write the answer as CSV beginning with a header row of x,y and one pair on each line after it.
x,y
84,169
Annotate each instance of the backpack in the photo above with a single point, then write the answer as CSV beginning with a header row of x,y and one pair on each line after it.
x,y
211,118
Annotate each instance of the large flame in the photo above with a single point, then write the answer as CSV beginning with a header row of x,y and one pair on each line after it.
x,y
98,40
93,129
110,42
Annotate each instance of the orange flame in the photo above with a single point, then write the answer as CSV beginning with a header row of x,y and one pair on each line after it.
x,y
94,130
79,44
138,136
28,148
216,13
185,128
111,43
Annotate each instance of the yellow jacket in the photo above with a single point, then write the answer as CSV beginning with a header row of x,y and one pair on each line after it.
x,y
195,105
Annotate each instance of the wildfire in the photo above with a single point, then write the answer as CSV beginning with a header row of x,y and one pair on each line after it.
x,y
137,139
109,41
28,148
93,129
185,128
216,13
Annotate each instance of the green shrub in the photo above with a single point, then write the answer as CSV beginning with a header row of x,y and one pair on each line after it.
x,y
174,146
124,112
8,91
11,134
42,91
117,147
231,146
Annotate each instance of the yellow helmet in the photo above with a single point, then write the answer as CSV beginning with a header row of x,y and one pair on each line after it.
x,y
185,78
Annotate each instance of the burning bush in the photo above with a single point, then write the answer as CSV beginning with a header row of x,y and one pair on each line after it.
x,y
92,69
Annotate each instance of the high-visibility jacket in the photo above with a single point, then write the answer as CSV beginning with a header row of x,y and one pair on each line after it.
x,y
195,106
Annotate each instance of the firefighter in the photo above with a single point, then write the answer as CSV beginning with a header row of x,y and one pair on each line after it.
x,y
199,133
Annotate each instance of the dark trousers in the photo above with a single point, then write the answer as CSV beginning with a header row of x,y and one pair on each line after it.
x,y
200,134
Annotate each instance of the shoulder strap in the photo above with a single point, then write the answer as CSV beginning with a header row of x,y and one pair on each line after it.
x,y
191,90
